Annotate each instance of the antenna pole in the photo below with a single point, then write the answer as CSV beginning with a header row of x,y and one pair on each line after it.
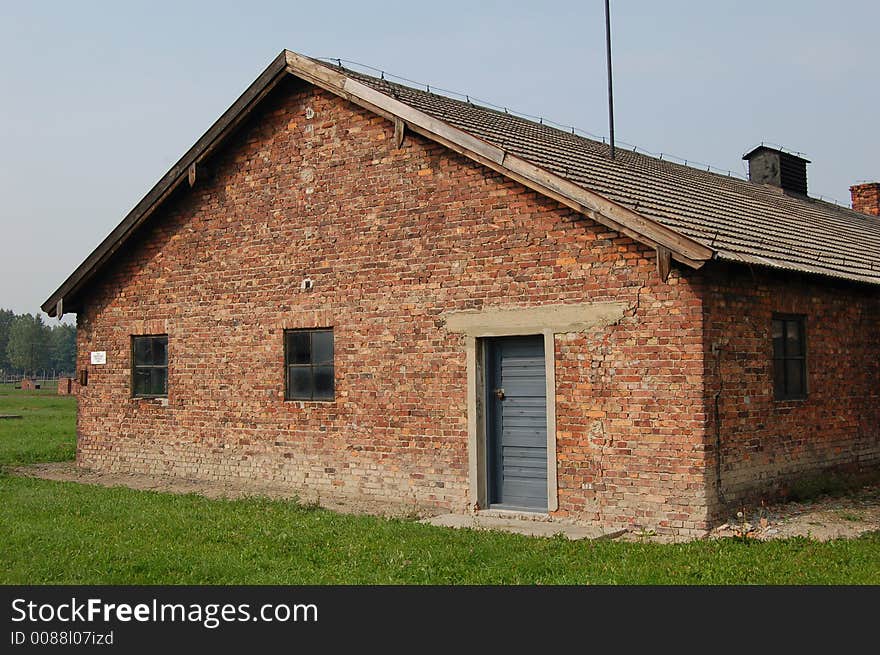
x,y
610,84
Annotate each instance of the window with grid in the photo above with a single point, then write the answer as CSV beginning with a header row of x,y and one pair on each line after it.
x,y
789,358
308,360
149,370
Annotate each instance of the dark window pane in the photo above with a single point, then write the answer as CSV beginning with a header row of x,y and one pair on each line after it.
x,y
298,350
322,347
159,381
789,358
794,341
324,382
142,382
779,378
150,366
160,351
299,382
309,361
795,377
778,343
142,351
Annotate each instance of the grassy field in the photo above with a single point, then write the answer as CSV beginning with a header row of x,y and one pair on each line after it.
x,y
45,433
53,532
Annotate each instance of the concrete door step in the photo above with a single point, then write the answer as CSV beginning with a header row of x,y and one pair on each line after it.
x,y
514,514
528,527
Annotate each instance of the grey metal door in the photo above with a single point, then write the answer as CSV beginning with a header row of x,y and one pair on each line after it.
x,y
517,423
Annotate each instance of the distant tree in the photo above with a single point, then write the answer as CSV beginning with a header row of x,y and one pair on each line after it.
x,y
6,317
62,347
28,346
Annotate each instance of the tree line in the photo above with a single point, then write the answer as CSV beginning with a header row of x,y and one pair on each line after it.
x,y
28,345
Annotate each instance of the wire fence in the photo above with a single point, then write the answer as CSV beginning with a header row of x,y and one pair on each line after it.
x,y
40,377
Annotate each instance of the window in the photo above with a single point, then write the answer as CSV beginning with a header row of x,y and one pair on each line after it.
x,y
789,358
308,359
149,370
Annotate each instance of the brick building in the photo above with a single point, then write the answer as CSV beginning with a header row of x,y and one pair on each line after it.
x,y
359,288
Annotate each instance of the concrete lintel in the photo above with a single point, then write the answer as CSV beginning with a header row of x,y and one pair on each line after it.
x,y
553,319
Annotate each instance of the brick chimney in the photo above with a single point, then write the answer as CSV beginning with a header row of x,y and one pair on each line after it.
x,y
866,198
779,168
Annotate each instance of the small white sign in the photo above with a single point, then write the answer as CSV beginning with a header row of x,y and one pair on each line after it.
x,y
99,357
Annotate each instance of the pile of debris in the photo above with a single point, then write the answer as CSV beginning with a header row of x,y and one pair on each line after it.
x,y
757,526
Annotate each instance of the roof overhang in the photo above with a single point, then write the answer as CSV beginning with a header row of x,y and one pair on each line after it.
x,y
591,204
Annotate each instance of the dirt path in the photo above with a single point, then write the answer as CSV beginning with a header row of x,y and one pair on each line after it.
x,y
825,518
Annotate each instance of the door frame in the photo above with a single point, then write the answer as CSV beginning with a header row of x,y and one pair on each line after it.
x,y
490,471
478,416
547,320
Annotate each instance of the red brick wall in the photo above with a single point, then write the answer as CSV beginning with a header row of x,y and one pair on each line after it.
x,y
630,411
765,443
392,239
866,198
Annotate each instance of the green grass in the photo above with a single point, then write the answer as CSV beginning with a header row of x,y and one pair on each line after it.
x,y
69,533
45,433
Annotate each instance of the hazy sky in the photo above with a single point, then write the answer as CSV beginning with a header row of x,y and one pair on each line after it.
x,y
98,100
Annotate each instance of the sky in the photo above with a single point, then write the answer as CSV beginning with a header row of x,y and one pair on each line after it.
x,y
99,99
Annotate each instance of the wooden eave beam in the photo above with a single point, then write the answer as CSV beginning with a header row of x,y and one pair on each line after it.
x,y
664,262
399,132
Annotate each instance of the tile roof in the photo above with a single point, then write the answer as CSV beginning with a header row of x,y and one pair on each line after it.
x,y
741,221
